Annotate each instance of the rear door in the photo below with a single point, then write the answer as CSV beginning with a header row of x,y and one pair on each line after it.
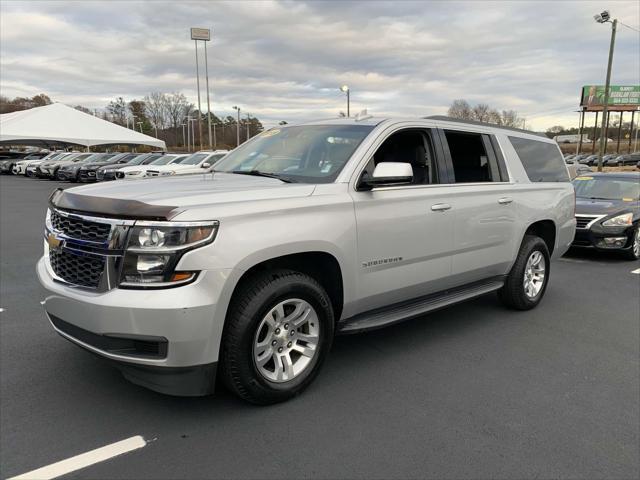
x,y
484,206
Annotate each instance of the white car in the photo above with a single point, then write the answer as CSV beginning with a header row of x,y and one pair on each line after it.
x,y
198,162
140,171
20,168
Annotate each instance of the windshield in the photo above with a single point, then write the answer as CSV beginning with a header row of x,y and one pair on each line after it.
x,y
150,159
127,158
163,160
81,157
313,154
102,157
607,188
194,159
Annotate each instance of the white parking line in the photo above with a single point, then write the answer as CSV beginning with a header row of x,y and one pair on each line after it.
x,y
83,460
636,271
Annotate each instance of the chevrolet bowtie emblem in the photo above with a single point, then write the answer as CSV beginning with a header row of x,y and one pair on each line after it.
x,y
53,241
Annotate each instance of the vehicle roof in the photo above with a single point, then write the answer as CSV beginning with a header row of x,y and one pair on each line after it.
x,y
374,121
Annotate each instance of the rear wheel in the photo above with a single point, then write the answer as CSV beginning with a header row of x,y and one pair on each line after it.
x,y
527,281
277,335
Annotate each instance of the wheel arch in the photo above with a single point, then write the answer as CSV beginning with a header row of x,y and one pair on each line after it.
x,y
546,230
321,265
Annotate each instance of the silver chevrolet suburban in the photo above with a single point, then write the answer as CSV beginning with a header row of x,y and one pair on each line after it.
x,y
246,272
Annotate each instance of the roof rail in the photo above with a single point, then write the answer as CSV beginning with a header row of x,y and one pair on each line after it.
x,y
444,118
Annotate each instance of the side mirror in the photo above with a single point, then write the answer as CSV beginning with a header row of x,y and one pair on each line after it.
x,y
387,173
206,165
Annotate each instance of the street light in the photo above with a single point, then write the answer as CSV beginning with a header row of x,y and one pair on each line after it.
x,y
183,136
237,126
345,89
604,17
140,125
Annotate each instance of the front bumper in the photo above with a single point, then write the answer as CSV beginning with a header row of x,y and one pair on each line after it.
x,y
87,176
188,318
66,175
605,239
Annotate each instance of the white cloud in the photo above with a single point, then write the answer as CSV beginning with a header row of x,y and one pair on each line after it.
x,y
285,60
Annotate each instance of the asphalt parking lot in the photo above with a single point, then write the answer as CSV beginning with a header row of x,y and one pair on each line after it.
x,y
474,391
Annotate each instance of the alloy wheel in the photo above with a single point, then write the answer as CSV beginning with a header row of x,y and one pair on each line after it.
x,y
534,274
286,340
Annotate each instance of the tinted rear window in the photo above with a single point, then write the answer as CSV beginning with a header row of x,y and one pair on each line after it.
x,y
542,161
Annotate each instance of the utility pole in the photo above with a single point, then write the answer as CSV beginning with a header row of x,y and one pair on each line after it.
x,y
199,105
237,126
248,118
183,137
604,18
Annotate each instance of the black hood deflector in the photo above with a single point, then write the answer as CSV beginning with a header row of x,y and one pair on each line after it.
x,y
111,207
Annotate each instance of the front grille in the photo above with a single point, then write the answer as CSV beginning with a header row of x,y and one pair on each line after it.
x,y
152,173
82,270
80,229
582,222
119,174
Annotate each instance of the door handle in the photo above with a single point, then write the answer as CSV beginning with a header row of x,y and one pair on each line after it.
x,y
505,200
440,207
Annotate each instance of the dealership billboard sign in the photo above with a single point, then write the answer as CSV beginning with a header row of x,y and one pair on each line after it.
x,y
201,34
622,98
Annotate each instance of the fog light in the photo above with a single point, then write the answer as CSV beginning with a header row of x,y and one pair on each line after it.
x,y
151,263
611,242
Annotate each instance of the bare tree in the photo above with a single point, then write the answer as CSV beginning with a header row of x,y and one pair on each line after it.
x,y
460,109
481,112
118,110
175,106
156,108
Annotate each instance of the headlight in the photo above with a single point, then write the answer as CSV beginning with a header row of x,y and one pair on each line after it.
x,y
619,221
169,172
154,249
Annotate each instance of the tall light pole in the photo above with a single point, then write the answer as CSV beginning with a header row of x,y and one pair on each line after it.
x,y
345,89
202,34
248,118
237,126
140,125
604,17
206,71
183,137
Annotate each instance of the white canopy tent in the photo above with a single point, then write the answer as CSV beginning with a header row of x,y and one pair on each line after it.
x,y
58,124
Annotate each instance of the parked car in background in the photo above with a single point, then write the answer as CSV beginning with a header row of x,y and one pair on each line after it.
x,y
108,172
71,168
20,166
608,212
87,171
31,167
51,171
624,160
589,160
302,232
139,170
198,162
45,169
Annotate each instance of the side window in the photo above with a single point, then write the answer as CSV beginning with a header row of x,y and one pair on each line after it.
x,y
471,159
542,161
412,146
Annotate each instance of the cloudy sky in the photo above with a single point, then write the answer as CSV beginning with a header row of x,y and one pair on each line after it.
x,y
285,60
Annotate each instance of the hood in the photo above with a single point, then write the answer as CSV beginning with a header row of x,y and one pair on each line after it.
x,y
165,197
589,206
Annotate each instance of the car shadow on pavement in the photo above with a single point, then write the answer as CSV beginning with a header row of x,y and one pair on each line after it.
x,y
591,254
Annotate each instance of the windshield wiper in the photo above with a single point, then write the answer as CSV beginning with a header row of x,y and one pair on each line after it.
x,y
258,173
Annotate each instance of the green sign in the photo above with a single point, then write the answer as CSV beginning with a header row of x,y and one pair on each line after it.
x,y
621,97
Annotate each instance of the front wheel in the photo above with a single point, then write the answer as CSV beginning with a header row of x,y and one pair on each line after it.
x,y
278,332
634,252
527,281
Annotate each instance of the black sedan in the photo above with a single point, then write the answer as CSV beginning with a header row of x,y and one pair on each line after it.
x,y
608,212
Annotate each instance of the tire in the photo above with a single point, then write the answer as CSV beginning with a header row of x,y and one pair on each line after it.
x,y
633,253
514,293
248,360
